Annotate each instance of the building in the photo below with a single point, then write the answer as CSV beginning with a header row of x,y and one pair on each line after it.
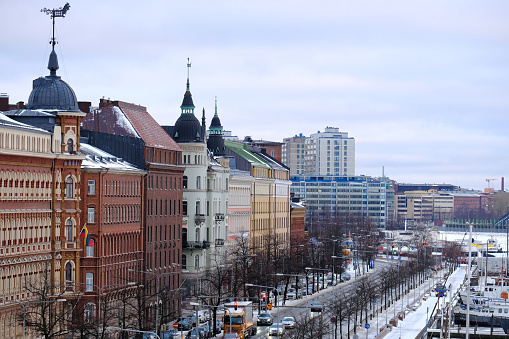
x,y
293,153
329,153
270,193
40,215
205,184
272,148
112,195
337,197
129,132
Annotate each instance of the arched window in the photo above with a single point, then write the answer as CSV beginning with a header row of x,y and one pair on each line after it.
x,y
198,207
90,249
198,182
68,274
89,282
89,313
184,182
69,230
70,146
197,234
197,262
69,187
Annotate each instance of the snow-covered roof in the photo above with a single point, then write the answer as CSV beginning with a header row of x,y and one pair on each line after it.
x,y
5,121
123,122
99,159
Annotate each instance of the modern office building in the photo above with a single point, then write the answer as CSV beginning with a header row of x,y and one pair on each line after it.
x,y
335,197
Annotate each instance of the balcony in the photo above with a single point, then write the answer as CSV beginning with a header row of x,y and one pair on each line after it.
x,y
219,242
219,217
190,245
199,219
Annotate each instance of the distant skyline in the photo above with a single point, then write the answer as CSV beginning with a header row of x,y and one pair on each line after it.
x,y
422,87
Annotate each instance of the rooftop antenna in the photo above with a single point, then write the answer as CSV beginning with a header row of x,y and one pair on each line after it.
x,y
215,107
56,13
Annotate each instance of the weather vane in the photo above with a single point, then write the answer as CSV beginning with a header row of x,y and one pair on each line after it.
x,y
56,13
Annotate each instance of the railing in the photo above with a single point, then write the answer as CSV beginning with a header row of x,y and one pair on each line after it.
x,y
219,216
219,242
195,244
199,218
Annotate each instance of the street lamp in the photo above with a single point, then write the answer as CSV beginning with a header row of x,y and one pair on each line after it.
x,y
25,306
158,276
277,293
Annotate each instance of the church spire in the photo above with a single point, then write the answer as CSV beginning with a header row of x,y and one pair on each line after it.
x,y
187,106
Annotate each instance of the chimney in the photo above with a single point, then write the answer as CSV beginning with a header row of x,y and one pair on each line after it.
x,y
20,105
84,106
4,102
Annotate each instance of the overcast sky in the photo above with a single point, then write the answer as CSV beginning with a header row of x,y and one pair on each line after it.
x,y
422,86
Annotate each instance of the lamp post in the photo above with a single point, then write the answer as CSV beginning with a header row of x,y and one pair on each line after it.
x,y
130,330
272,288
158,277
25,306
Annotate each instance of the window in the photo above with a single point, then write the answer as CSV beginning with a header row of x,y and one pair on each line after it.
x,y
198,182
89,313
89,282
68,272
68,230
184,183
90,249
197,262
226,184
69,189
91,214
91,187
184,207
198,209
70,147
184,261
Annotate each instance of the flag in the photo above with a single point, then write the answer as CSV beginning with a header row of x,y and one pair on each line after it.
x,y
84,233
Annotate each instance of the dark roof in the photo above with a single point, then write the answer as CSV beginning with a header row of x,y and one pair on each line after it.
x,y
51,92
187,129
188,100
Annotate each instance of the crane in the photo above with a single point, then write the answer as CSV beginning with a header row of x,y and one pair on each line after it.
x,y
488,180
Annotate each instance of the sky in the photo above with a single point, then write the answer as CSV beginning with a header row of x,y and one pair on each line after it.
x,y
422,86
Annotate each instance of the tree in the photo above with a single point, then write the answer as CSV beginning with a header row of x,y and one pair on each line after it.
x,y
44,313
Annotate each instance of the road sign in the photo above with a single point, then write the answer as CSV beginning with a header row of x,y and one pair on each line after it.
x,y
366,326
175,325
269,306
332,320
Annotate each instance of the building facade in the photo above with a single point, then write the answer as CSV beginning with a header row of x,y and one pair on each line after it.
x,y
293,153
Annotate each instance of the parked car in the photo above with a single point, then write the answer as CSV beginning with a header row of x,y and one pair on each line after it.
x,y
316,307
203,315
264,319
195,334
231,336
206,330
184,324
288,322
277,329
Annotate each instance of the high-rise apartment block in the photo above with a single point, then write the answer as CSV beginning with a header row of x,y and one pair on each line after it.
x,y
323,153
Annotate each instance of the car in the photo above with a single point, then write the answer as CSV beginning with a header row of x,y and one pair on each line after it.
x,y
184,324
264,319
277,329
288,322
194,334
206,330
232,335
316,307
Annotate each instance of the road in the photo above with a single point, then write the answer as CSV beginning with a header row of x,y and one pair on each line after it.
x,y
298,308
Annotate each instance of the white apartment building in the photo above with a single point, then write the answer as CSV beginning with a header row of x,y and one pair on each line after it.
x,y
330,153
293,154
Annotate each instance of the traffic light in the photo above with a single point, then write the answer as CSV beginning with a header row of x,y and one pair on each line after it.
x,y
264,297
235,305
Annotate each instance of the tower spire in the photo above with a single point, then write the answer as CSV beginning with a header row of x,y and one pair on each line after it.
x,y
188,68
215,107
55,13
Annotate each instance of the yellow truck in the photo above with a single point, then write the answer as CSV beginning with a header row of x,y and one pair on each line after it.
x,y
241,321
